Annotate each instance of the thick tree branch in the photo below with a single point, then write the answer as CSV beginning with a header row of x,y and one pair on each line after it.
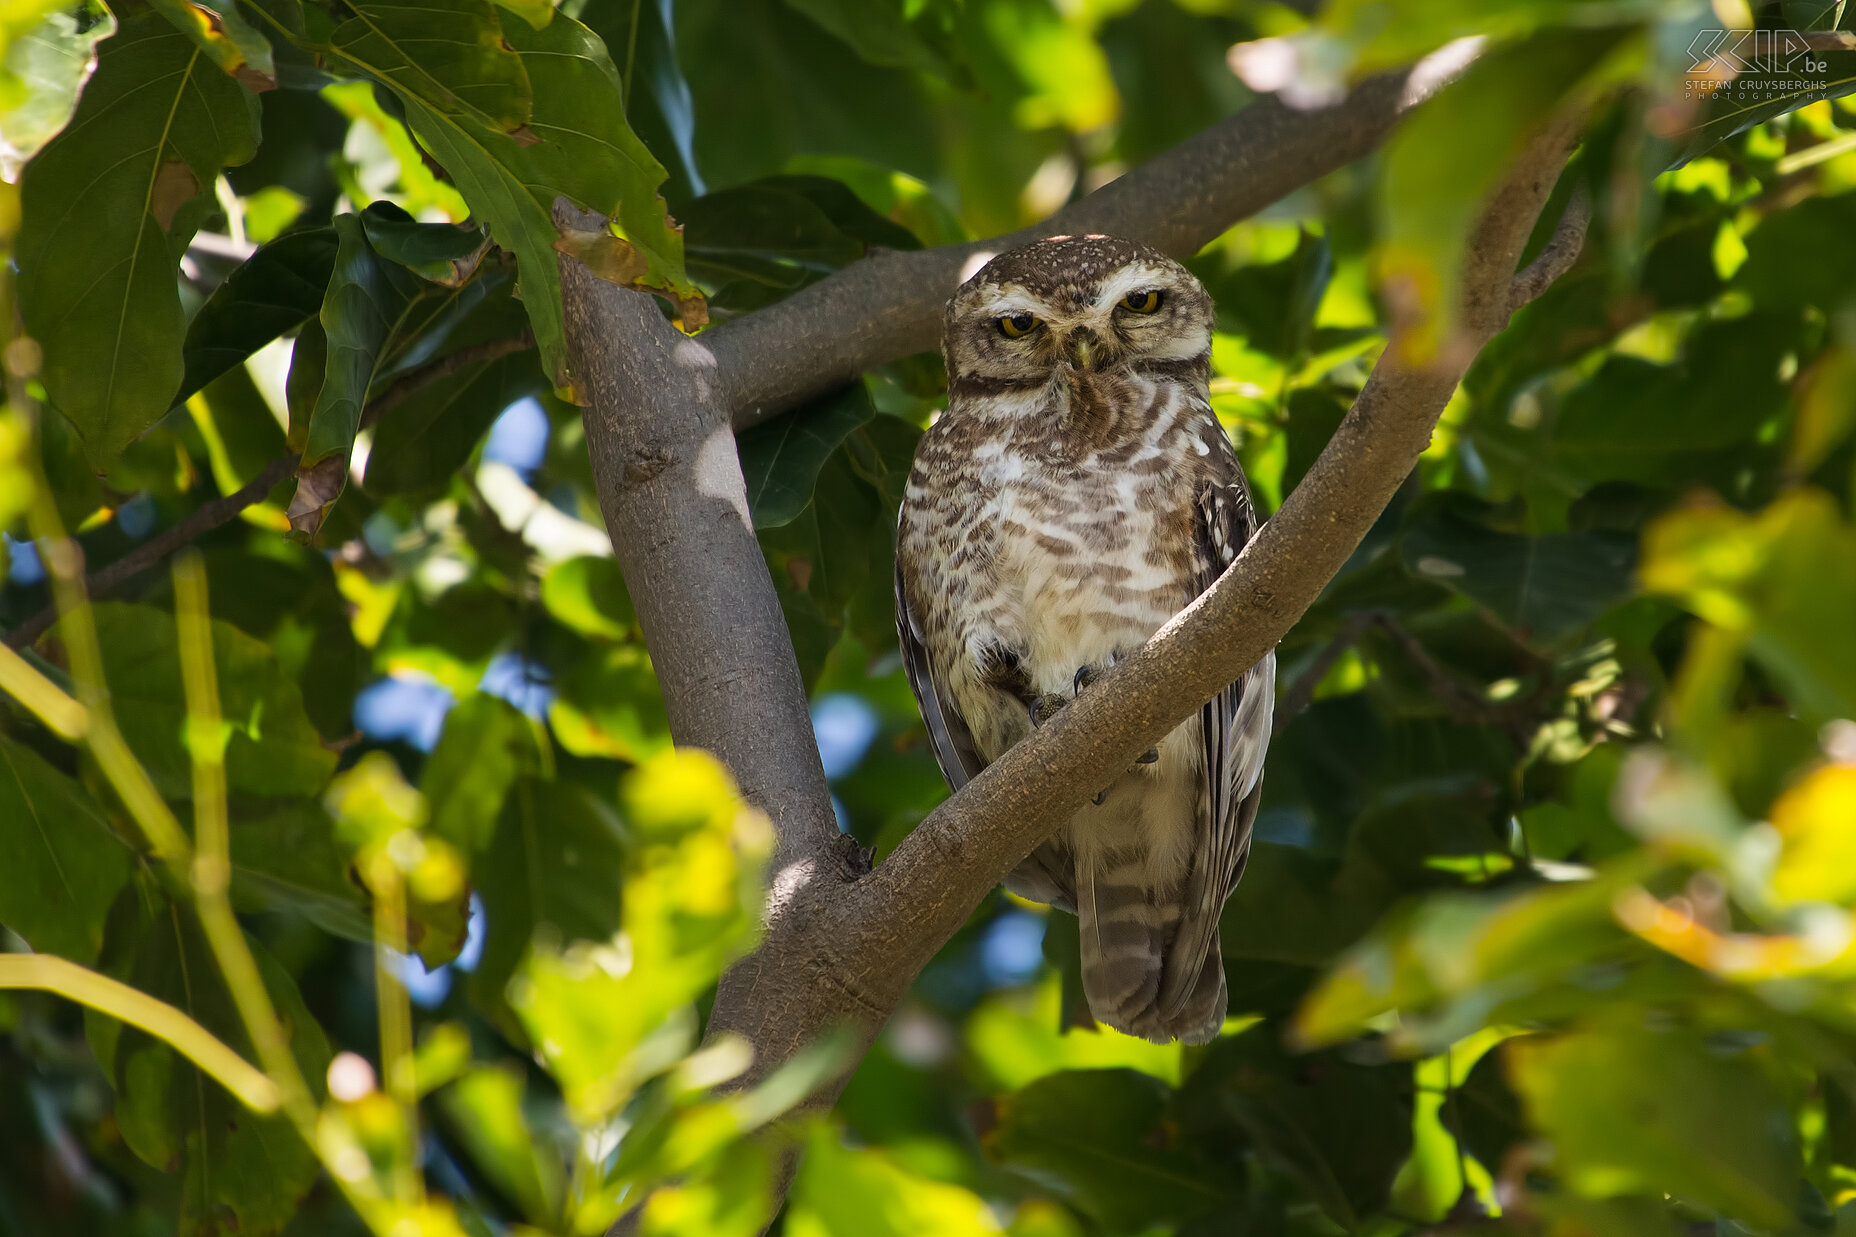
x,y
672,493
890,304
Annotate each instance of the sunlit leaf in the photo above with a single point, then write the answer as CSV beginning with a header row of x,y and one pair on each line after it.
x,y
97,288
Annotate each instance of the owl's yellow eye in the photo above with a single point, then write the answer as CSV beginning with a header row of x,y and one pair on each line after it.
x,y
1141,302
1015,326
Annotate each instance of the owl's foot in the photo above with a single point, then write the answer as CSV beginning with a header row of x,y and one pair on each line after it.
x,y
1045,707
1086,675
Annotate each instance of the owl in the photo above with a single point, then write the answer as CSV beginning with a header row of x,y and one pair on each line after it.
x,y
1078,493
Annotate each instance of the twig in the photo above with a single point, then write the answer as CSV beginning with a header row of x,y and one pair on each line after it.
x,y
403,389
106,580
1302,691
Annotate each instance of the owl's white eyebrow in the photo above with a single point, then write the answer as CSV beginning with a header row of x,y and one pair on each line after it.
x,y
1006,306
1128,280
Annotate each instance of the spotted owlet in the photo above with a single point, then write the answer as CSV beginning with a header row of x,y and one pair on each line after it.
x,y
1078,493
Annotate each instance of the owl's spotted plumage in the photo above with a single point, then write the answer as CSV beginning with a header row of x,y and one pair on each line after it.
x,y
1077,494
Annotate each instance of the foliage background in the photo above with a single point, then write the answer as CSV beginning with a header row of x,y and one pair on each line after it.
x,y
1546,925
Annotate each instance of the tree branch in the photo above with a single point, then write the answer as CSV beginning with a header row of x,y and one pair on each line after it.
x,y
208,516
676,505
889,305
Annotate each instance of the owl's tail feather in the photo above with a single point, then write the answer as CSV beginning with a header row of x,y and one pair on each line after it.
x,y
1125,931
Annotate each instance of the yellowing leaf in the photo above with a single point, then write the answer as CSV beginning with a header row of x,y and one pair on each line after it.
x,y
1817,819
846,1193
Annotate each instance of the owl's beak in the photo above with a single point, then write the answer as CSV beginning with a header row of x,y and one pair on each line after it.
x,y
1085,350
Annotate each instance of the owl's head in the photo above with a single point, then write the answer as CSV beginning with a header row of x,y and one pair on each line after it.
x,y
1073,306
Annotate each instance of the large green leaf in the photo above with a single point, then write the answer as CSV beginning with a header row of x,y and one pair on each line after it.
x,y
453,59
219,30
274,750
63,864
241,1173
781,458
1704,1123
1544,587
107,207
285,858
1785,579
880,31
271,293
1098,1138
585,153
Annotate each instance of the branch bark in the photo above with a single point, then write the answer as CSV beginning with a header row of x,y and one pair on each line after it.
x,y
889,305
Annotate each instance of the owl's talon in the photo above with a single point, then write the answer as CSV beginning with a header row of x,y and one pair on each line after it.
x,y
1148,757
1045,707
1085,675
1101,795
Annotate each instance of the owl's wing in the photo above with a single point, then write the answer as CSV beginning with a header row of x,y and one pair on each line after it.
x,y
1235,726
954,749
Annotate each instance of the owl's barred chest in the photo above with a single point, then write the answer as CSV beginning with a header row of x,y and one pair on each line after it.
x,y
1074,561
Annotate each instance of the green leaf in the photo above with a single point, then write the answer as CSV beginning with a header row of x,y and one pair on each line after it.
x,y
1442,164
41,73
485,745
1544,587
610,705
441,252
454,59
357,315
107,207
586,153
426,439
879,31
843,1192
285,858
239,1172
270,294
1663,424
781,458
1337,1128
1097,1138
1798,256
588,595
274,750
557,860
1785,578
758,242
484,1109
1704,1124
64,865
606,1016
